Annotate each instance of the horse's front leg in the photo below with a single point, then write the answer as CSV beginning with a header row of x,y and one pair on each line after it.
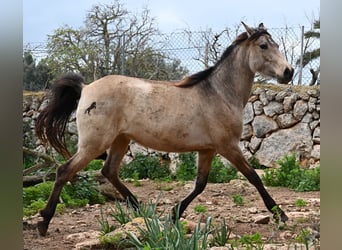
x,y
204,164
235,156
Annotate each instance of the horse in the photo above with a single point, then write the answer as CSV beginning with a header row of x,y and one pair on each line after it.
x,y
203,113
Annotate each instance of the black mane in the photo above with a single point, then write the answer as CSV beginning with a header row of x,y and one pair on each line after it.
x,y
204,74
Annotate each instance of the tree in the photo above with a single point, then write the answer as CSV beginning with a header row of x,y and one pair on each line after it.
x,y
310,55
36,77
113,41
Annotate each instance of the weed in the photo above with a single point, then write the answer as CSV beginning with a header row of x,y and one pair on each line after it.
x,y
221,235
200,209
291,175
219,173
186,167
300,203
94,165
251,241
237,199
76,194
145,167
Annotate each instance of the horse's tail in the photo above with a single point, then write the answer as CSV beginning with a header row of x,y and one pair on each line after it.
x,y
52,121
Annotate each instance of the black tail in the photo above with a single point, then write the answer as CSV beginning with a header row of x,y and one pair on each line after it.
x,y
63,100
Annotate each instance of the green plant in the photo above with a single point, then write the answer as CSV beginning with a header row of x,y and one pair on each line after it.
x,y
76,194
219,173
237,199
300,203
200,209
291,175
145,167
186,168
220,235
251,241
94,165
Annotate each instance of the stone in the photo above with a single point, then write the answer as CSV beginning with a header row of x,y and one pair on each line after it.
x,y
313,92
255,144
270,94
281,95
247,132
262,219
263,98
316,137
286,120
258,107
248,113
289,101
273,108
300,109
285,141
263,125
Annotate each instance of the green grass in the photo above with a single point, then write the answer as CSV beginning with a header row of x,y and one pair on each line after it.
x,y
291,175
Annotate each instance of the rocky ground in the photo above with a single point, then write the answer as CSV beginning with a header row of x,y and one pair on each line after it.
x,y
79,225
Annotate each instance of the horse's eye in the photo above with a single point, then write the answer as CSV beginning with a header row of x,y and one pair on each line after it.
x,y
263,46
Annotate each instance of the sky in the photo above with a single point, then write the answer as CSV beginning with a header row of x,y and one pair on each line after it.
x,y
41,17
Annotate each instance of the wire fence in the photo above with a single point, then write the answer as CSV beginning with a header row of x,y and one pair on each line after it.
x,y
198,50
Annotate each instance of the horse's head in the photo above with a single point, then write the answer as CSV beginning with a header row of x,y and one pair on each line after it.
x,y
264,55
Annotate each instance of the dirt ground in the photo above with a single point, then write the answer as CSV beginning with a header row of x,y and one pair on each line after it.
x,y
216,197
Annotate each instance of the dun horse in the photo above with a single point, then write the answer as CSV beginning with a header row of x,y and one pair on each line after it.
x,y
202,113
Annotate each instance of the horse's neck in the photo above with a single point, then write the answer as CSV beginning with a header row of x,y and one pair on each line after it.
x,y
233,78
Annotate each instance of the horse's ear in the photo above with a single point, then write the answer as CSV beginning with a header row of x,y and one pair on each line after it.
x,y
261,26
249,30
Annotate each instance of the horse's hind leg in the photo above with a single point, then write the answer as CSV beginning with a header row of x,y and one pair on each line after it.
x,y
112,165
235,156
64,174
204,164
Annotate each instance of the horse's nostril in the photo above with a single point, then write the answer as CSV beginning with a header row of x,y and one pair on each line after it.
x,y
288,73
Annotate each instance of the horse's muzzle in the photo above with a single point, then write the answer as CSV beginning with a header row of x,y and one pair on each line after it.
x,y
287,76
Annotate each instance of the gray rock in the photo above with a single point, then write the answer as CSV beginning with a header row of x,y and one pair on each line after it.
x,y
286,120
300,109
258,107
263,125
273,108
262,219
255,144
289,101
285,141
247,132
316,137
316,152
281,95
248,113
270,94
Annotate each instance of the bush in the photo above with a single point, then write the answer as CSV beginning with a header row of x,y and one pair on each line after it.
x,y
186,168
77,194
219,173
145,167
291,175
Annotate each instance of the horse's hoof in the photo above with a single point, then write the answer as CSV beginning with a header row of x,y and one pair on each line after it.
x,y
42,228
284,217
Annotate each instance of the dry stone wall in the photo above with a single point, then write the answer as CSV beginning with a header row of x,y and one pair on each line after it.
x,y
277,120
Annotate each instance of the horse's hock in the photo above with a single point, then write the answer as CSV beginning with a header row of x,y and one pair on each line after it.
x,y
278,120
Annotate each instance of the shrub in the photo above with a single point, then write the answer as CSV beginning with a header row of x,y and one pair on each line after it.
x,y
94,165
291,175
219,173
186,168
145,167
237,199
76,194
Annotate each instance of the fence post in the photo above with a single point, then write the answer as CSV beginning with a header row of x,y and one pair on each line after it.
x,y
300,76
123,57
